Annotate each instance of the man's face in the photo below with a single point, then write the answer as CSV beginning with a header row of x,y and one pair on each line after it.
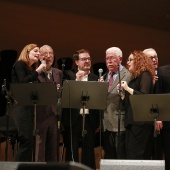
x,y
153,56
47,55
84,62
112,61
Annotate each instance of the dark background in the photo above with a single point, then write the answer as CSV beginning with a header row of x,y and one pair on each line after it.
x,y
69,25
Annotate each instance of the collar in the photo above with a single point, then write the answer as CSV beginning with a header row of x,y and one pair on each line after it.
x,y
49,71
120,68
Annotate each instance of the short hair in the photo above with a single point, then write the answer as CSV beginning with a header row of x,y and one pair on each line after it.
x,y
150,49
115,50
76,54
45,46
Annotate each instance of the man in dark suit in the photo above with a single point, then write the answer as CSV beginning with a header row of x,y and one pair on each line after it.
x,y
157,150
73,126
164,87
46,139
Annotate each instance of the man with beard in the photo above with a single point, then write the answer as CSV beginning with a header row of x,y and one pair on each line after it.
x,y
47,115
72,118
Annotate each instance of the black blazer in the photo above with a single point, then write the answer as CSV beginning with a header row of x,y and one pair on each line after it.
x,y
75,113
142,85
22,74
164,85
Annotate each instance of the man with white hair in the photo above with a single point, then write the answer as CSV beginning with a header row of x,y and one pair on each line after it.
x,y
114,142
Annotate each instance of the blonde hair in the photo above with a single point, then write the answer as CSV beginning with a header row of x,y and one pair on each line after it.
x,y
24,55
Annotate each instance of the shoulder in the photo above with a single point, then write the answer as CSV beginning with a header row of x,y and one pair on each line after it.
x,y
93,76
145,75
56,70
69,74
125,71
163,68
19,63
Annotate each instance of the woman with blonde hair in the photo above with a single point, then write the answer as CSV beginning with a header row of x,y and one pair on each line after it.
x,y
26,70
138,134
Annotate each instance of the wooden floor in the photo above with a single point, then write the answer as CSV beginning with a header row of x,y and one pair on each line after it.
x,y
11,153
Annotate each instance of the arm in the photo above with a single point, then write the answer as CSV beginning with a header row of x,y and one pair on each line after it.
x,y
23,74
145,85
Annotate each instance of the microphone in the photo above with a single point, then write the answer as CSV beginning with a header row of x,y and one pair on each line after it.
x,y
43,62
100,72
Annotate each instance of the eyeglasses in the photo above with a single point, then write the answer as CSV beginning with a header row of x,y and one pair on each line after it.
x,y
111,58
85,59
129,59
46,54
153,57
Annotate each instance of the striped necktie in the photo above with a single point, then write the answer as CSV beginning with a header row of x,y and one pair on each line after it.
x,y
111,80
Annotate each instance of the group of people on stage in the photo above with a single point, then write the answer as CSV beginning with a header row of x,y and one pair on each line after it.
x,y
122,136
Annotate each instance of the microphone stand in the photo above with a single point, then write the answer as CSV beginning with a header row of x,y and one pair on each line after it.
x,y
9,97
59,110
119,114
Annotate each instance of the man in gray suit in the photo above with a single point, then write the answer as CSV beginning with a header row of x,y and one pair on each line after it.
x,y
114,147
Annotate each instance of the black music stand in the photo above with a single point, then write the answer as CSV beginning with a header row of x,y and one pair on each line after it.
x,y
34,94
151,107
86,95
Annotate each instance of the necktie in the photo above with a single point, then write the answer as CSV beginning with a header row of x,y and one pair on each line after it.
x,y
111,80
49,76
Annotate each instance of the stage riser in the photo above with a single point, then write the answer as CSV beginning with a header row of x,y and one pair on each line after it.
x,y
11,165
131,165
42,166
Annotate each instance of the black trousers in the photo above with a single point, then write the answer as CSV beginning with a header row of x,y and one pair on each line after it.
x,y
24,120
73,138
114,148
138,142
162,147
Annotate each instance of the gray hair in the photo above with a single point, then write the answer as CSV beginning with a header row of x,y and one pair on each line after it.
x,y
117,51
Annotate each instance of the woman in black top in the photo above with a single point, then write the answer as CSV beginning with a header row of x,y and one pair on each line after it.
x,y
25,70
138,134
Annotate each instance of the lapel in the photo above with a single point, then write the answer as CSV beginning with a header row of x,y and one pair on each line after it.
x,y
116,81
55,76
43,78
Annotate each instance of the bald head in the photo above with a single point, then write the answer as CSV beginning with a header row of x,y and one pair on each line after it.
x,y
47,54
151,53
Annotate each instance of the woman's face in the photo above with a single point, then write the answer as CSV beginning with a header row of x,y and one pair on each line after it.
x,y
34,55
130,62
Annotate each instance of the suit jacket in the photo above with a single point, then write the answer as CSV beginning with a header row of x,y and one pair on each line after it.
x,y
110,121
164,85
75,113
56,78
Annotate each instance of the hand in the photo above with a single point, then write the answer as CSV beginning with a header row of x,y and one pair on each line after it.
x,y
124,85
155,79
80,74
58,86
101,79
120,91
159,125
41,67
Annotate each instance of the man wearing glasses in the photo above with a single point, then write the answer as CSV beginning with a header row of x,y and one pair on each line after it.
x,y
46,139
73,126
